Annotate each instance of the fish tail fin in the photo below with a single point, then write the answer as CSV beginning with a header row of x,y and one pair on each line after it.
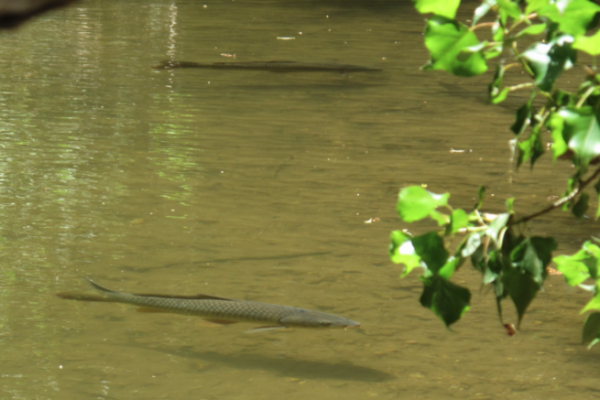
x,y
98,287
103,294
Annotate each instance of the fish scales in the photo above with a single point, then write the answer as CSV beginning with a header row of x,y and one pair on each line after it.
x,y
218,309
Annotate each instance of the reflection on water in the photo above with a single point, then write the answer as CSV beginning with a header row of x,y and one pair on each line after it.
x,y
251,185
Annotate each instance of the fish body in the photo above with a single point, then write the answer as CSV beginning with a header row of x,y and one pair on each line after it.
x,y
272,66
218,309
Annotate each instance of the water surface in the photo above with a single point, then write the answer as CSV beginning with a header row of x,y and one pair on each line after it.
x,y
253,185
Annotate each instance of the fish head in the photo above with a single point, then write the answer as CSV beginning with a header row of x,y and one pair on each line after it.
x,y
316,319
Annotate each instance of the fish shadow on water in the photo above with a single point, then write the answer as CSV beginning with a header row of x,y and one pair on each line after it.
x,y
288,367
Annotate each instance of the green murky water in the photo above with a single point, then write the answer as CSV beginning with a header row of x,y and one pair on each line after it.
x,y
252,185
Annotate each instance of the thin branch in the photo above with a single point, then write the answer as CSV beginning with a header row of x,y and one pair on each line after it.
x,y
483,25
559,202
521,86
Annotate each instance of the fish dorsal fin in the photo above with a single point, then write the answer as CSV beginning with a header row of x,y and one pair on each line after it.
x,y
191,297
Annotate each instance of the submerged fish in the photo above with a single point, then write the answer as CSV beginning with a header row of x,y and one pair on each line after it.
x,y
272,66
217,309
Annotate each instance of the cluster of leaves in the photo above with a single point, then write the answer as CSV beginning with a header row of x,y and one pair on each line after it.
x,y
573,118
514,264
578,268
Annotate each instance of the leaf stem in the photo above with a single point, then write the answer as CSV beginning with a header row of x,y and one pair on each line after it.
x,y
584,96
483,25
521,86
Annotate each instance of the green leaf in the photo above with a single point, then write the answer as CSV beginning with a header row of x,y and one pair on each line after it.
x,y
533,256
480,197
597,187
556,125
510,8
459,220
498,33
588,44
496,226
535,5
416,203
448,269
522,289
574,268
447,300
591,328
402,252
492,52
494,268
472,244
594,303
535,29
532,148
499,97
441,219
482,9
581,206
574,16
523,117
509,205
579,130
563,98
549,60
430,247
446,39
444,8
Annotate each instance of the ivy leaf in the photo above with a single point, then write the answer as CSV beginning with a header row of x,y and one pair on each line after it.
x,y
594,303
482,9
556,125
430,247
589,44
472,244
533,256
509,205
574,16
581,206
522,289
496,226
447,300
446,39
549,60
480,197
536,5
523,116
597,188
591,328
458,220
444,8
578,130
496,93
448,269
509,8
563,98
416,203
535,29
402,252
574,268
531,148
